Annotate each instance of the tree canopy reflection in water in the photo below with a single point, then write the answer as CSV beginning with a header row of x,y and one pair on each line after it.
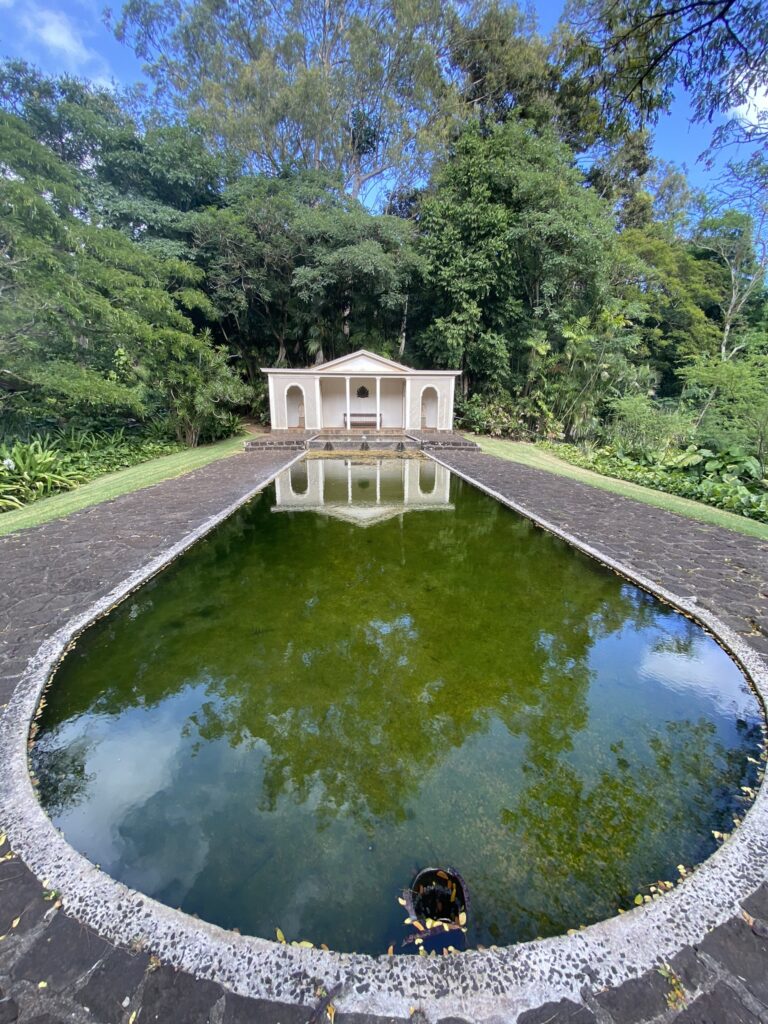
x,y
318,699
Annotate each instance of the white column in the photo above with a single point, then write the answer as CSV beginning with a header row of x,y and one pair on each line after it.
x,y
349,482
407,423
349,410
378,482
272,408
318,405
378,403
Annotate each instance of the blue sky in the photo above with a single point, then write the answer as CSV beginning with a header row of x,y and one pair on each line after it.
x,y
71,36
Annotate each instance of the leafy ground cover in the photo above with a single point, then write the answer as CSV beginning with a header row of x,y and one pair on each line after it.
x,y
721,479
62,460
112,485
539,458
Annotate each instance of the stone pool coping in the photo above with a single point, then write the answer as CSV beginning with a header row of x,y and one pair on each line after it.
x,y
486,986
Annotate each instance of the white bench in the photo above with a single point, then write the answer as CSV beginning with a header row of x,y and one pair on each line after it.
x,y
362,419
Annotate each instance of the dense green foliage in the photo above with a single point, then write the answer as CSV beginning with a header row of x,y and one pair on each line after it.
x,y
61,460
158,248
725,480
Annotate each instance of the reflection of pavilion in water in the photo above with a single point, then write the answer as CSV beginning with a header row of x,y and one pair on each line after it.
x,y
363,493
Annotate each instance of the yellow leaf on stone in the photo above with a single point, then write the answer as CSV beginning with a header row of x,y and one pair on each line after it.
x,y
390,950
306,944
279,934
2,838
15,922
42,984
132,1018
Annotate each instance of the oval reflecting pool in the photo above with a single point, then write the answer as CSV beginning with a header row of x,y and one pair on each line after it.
x,y
373,668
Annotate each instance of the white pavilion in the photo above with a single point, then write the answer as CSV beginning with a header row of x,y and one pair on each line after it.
x,y
361,390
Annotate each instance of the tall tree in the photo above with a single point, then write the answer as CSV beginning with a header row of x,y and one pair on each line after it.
x,y
505,68
517,249
337,85
728,241
93,322
300,271
636,52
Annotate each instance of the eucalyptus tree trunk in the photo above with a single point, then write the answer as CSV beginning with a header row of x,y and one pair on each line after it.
x,y
403,328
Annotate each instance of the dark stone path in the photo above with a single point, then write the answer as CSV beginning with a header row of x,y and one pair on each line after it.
x,y
53,969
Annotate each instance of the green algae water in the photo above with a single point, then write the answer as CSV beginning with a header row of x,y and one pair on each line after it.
x,y
372,668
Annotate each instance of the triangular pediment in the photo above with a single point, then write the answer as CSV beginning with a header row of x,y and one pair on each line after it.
x,y
362,361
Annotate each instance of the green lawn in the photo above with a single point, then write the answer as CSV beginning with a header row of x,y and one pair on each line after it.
x,y
112,485
530,455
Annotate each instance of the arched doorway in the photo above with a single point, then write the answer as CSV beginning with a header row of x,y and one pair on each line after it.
x,y
429,408
298,478
427,477
294,407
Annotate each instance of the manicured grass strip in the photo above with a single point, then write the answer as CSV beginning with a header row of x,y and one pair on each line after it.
x,y
529,455
112,485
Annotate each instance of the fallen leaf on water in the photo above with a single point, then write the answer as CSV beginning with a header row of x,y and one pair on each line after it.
x,y
463,918
418,925
401,901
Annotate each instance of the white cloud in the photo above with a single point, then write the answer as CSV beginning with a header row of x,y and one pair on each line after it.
x,y
57,33
706,671
53,31
6,3
755,105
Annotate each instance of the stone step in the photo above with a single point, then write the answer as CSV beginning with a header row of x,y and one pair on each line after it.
x,y
356,444
463,444
270,446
